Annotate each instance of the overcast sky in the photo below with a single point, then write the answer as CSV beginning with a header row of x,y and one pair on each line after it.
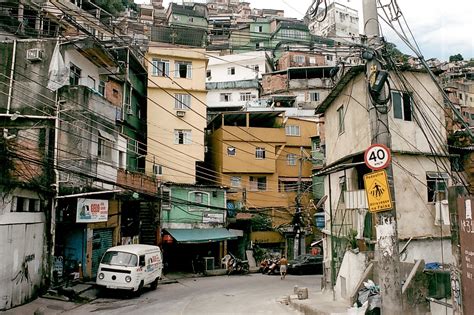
x,y
441,28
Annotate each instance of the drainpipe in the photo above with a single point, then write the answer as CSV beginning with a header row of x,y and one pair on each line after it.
x,y
10,86
332,242
12,71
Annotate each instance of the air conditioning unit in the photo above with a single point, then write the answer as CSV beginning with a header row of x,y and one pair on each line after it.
x,y
180,113
34,54
128,108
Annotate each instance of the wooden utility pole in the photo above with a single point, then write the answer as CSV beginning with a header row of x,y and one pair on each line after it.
x,y
387,234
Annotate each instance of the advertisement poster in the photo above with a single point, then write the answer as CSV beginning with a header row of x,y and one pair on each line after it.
x,y
92,210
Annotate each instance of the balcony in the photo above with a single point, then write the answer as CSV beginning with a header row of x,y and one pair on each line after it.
x,y
138,181
356,199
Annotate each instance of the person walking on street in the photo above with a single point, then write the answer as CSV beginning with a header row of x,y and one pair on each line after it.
x,y
283,267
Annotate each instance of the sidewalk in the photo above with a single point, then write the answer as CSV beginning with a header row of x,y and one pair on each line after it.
x,y
318,303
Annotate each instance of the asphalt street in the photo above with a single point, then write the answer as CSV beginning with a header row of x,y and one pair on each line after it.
x,y
237,294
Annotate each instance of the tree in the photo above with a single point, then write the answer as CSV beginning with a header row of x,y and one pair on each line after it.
x,y
116,6
457,57
395,53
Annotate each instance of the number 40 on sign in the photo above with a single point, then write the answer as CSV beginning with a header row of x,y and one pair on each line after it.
x,y
377,157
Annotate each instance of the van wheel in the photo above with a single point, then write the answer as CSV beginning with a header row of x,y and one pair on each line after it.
x,y
139,290
154,284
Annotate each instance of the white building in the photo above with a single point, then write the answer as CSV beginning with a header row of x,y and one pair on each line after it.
x,y
340,24
233,80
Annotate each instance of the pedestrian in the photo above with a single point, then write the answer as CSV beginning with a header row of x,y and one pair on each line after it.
x,y
283,267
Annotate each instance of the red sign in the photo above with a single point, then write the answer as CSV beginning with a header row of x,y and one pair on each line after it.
x,y
377,157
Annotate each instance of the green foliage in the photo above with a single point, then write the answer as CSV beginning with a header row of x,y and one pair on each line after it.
x,y
351,239
457,57
261,223
116,6
392,50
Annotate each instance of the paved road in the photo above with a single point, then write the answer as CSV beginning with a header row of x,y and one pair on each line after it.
x,y
239,294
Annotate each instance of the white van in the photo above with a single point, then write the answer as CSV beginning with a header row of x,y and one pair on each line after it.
x,y
130,267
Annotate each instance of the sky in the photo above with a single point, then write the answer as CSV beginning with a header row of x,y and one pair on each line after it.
x,y
441,28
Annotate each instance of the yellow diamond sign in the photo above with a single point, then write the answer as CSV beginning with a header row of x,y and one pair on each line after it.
x,y
378,191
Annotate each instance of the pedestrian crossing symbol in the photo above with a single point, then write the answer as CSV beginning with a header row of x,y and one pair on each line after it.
x,y
377,191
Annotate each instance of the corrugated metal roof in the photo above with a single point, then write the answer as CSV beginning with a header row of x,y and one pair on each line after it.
x,y
193,236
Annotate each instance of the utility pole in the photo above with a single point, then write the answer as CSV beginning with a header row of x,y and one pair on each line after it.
x,y
386,229
297,215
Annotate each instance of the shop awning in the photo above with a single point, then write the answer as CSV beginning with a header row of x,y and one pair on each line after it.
x,y
201,235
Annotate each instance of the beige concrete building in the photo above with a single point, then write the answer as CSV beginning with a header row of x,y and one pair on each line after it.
x,y
176,112
421,172
258,155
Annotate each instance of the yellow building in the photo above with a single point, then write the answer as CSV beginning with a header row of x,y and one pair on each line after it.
x,y
176,114
261,156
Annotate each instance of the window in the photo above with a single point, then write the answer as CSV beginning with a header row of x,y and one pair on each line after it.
x,y
436,182
102,88
235,181
74,74
182,69
292,130
340,117
299,58
231,71
256,68
182,101
402,107
208,74
191,19
329,57
296,34
165,199
104,149
161,68
312,60
182,136
258,183
133,145
157,169
245,97
314,96
230,151
259,28
260,153
198,198
26,205
460,96
91,82
226,97
291,159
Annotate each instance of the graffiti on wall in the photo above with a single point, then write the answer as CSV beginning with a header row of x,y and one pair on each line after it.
x,y
23,274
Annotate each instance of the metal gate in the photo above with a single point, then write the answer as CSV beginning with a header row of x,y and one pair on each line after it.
x,y
101,241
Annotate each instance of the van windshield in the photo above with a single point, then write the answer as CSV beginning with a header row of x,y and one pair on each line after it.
x,y
120,259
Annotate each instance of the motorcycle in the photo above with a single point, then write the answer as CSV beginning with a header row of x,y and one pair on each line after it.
x,y
236,265
274,267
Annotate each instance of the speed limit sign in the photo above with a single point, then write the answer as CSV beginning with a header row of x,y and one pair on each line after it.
x,y
377,157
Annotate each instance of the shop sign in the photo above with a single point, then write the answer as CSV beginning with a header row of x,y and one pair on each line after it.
x,y
208,217
92,210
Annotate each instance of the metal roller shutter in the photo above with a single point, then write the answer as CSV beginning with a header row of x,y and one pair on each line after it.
x,y
101,241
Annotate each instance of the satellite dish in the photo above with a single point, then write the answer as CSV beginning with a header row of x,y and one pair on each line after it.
x,y
321,201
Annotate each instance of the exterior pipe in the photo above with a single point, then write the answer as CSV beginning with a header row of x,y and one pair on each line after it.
x,y
12,71
27,116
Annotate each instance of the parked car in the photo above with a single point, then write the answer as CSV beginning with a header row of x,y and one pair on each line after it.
x,y
306,264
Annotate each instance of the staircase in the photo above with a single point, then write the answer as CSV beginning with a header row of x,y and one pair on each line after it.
x,y
148,222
